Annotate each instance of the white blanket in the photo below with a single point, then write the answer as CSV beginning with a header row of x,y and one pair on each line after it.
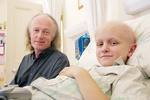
x,y
119,82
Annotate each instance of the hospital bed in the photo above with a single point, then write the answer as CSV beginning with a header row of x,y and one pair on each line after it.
x,y
141,56
140,23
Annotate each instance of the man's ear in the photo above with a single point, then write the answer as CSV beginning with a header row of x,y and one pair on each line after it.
x,y
132,49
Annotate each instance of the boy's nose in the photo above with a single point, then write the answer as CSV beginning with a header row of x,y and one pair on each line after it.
x,y
105,48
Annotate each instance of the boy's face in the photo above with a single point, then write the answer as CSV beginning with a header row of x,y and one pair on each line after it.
x,y
110,46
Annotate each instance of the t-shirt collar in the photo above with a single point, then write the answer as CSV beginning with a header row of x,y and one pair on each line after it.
x,y
44,52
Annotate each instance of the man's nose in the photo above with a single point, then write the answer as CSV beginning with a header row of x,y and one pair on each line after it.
x,y
40,34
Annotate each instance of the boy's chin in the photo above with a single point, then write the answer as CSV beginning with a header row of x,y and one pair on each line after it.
x,y
106,64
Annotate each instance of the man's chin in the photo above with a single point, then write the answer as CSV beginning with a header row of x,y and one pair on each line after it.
x,y
40,48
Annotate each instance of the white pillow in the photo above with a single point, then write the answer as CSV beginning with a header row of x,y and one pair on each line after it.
x,y
141,58
141,55
88,57
133,7
141,26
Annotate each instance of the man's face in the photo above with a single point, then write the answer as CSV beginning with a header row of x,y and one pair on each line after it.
x,y
110,46
42,30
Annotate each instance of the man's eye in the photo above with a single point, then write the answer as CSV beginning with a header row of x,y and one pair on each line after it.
x,y
46,32
36,30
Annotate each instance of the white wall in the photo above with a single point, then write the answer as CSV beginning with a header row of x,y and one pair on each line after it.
x,y
73,15
3,9
72,18
41,2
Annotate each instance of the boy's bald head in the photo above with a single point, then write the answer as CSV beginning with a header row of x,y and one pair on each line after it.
x,y
119,28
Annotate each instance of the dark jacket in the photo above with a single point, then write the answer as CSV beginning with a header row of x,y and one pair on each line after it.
x,y
48,65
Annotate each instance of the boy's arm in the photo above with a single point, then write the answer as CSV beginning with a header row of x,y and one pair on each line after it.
x,y
87,86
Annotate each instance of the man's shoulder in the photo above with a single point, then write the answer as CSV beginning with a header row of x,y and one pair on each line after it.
x,y
58,54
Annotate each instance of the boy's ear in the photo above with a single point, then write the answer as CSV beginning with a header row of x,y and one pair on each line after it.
x,y
132,49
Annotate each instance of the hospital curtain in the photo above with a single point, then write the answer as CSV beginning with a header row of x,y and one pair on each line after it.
x,y
98,13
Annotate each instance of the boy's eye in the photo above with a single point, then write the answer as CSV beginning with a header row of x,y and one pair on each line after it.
x,y
99,44
114,43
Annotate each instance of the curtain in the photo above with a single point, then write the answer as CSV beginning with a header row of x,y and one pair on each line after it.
x,y
55,8
97,12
